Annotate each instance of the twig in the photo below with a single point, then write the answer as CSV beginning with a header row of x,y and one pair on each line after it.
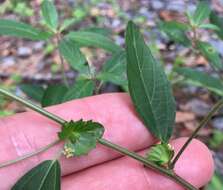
x,y
216,107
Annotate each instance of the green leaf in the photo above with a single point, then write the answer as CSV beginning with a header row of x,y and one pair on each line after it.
x,y
175,31
210,53
218,21
201,79
93,39
21,30
216,140
114,70
161,154
202,12
67,23
44,176
148,85
34,91
209,26
53,95
102,31
49,13
80,89
216,182
71,52
80,137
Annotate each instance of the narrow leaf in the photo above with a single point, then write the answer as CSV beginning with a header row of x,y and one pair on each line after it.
x,y
33,91
45,176
218,21
21,30
209,26
53,95
67,23
80,89
102,31
80,137
216,182
71,52
201,79
148,85
49,13
202,12
210,53
175,31
95,40
114,70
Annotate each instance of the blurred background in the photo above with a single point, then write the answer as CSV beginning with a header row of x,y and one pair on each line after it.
x,y
25,63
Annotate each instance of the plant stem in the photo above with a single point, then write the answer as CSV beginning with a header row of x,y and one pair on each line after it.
x,y
32,106
164,171
98,87
151,165
216,107
43,149
62,63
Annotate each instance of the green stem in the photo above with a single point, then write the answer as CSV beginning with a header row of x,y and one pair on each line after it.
x,y
164,171
151,165
29,155
98,87
62,64
216,107
32,106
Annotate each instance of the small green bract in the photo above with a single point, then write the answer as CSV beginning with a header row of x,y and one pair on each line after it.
x,y
80,137
161,154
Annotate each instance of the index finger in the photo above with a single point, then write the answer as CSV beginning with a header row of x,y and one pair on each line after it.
x,y
26,132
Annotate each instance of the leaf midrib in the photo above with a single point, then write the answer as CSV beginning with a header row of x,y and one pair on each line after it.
x,y
22,30
142,79
47,172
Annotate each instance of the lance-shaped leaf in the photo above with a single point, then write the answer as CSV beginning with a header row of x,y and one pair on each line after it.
x,y
202,12
218,21
21,30
216,182
102,31
45,176
210,53
80,89
148,86
94,39
53,95
175,31
34,91
67,23
201,79
114,70
80,137
209,26
49,13
71,52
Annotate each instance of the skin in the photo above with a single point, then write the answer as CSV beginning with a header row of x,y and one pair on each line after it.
x,y
102,168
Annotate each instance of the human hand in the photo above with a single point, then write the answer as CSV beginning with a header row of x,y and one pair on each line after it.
x,y
102,168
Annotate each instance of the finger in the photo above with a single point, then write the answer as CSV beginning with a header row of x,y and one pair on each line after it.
x,y
195,166
26,132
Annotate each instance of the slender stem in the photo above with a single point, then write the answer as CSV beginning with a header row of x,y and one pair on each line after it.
x,y
164,171
151,165
98,87
62,63
216,107
32,106
19,159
